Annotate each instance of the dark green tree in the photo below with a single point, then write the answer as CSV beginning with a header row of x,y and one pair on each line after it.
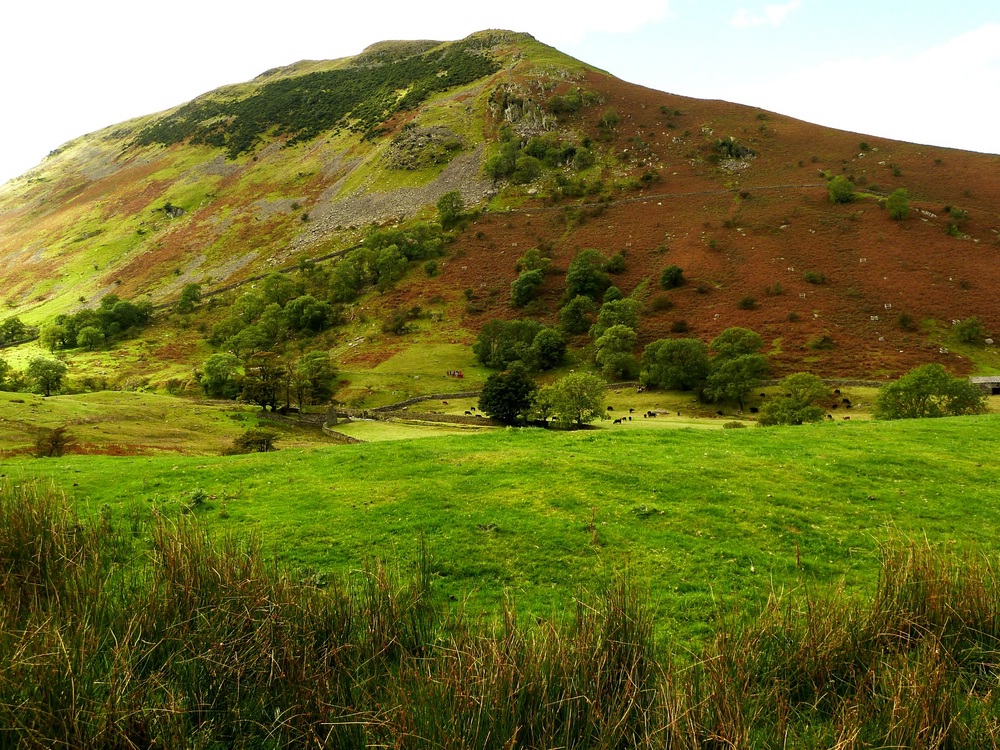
x,y
312,378
220,376
548,349
525,287
616,352
507,396
586,275
47,374
618,312
503,342
671,277
929,391
576,399
675,364
575,315
265,380
451,210
190,296
798,401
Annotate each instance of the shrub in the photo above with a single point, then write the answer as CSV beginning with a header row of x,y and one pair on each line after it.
x,y
679,326
431,267
525,287
575,315
906,322
254,440
671,277
733,425
970,331
898,204
822,342
840,189
929,391
616,263
53,443
797,402
747,303
814,277
586,275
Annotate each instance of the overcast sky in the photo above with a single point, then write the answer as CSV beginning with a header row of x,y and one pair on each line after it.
x,y
906,69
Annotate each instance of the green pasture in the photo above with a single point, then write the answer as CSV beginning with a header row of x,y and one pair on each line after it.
x,y
704,518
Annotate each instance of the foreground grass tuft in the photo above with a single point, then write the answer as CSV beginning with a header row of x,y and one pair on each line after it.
x,y
120,636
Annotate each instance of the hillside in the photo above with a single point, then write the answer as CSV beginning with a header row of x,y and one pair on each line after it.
x,y
302,161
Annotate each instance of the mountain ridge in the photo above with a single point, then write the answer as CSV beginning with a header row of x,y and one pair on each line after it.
x,y
742,192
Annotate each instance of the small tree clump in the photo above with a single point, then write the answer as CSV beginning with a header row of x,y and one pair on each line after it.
x,y
671,277
898,204
53,443
970,331
929,391
254,440
840,189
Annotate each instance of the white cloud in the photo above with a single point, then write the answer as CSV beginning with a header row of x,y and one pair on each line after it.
x,y
772,15
944,95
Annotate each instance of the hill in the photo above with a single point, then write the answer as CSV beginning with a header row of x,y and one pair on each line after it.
x,y
300,163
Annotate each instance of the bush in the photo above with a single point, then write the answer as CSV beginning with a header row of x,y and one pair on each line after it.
x,y
840,189
814,277
906,322
431,267
797,402
671,277
733,425
747,303
929,391
970,331
616,263
821,342
254,440
53,443
525,287
898,204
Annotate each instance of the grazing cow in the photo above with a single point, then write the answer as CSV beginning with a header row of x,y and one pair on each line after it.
x,y
473,408
846,401
829,416
846,417
719,413
631,410
836,392
617,421
468,413
848,406
611,408
630,419
754,410
763,395
834,406
445,403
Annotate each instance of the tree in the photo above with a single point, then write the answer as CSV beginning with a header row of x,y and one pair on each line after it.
x,y
508,396
48,374
586,275
675,364
220,376
970,331
90,337
53,336
533,260
898,204
732,379
525,287
797,402
617,312
615,350
451,209
735,342
671,277
254,440
574,317
306,313
929,391
12,329
4,370
312,378
502,342
576,399
548,349
840,189
190,296
265,378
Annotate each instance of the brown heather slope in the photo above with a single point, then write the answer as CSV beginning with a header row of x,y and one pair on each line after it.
x,y
91,219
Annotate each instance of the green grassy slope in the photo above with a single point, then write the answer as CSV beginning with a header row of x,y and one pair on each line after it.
x,y
703,516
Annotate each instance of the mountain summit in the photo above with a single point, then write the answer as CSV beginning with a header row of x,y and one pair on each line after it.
x,y
851,254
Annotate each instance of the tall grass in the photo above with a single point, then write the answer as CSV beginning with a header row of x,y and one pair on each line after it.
x,y
169,638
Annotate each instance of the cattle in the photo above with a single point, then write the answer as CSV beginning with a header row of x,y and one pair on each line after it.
x,y
836,392
630,419
445,403
754,410
846,401
631,410
468,413
829,416
763,395
834,406
611,408
617,421
719,414
846,417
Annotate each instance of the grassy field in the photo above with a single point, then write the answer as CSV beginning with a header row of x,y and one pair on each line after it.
x,y
704,517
